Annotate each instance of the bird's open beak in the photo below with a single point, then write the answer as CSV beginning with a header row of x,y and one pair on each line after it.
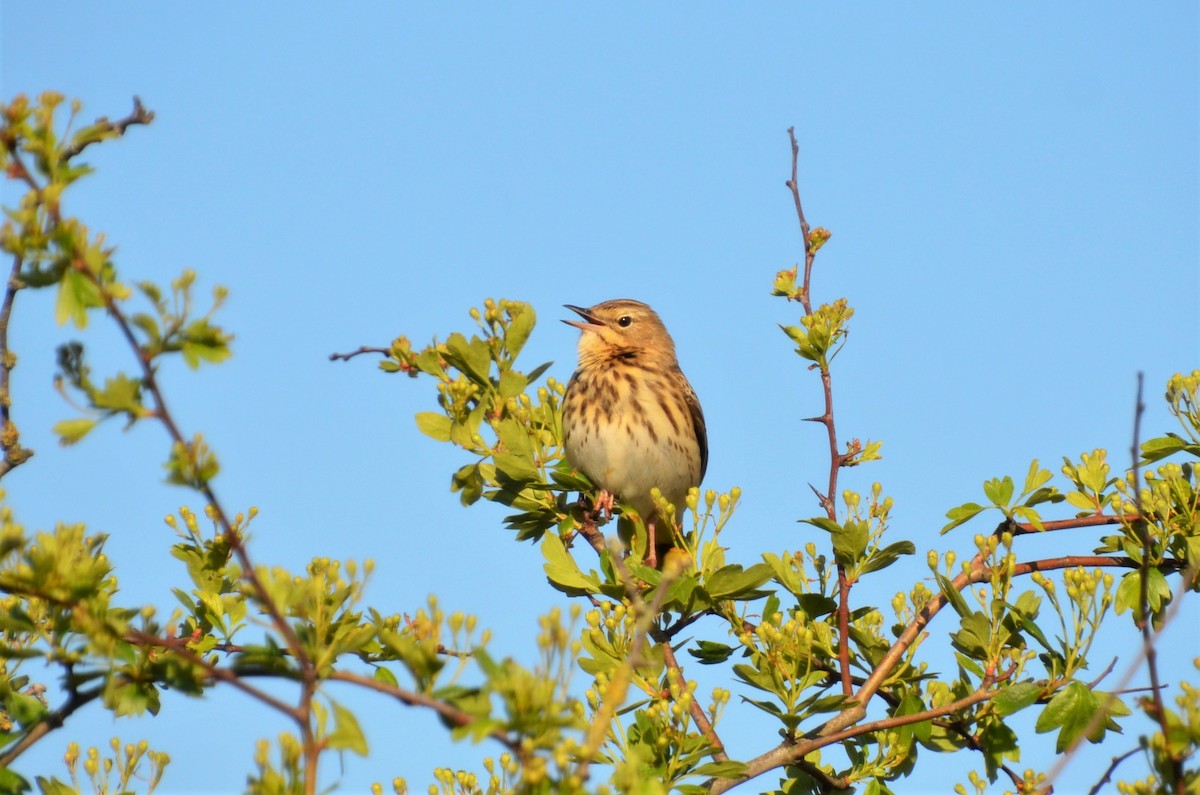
x,y
589,322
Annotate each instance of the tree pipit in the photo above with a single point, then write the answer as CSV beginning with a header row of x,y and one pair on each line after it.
x,y
631,420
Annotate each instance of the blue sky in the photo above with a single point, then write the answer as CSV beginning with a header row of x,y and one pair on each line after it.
x,y
1012,194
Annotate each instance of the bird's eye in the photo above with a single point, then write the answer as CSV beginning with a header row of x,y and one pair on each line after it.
x,y
624,321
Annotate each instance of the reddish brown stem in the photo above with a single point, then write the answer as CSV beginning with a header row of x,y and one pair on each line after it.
x,y
695,710
827,499
10,439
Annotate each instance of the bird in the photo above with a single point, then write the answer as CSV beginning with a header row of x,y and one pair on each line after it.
x,y
631,420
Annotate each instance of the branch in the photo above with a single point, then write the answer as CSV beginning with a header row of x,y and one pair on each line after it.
x,y
138,116
179,646
826,419
48,723
449,713
618,684
1116,760
696,711
163,414
957,725
790,752
345,357
1147,650
10,439
828,783
1025,528
1147,621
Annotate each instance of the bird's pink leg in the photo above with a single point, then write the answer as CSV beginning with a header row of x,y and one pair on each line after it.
x,y
651,547
604,502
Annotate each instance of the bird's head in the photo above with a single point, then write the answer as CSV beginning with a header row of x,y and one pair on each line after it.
x,y
622,328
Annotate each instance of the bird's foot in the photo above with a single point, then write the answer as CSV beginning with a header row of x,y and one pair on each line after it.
x,y
604,503
651,547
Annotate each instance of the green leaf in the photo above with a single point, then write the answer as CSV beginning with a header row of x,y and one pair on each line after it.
x,y
888,555
823,522
1163,446
536,372
468,480
346,734
25,709
997,742
727,769
785,575
710,653
516,467
961,514
815,605
523,320
999,491
76,294
473,357
1129,592
71,431
850,541
1070,710
562,570
973,636
120,393
512,383
1026,514
1016,698
434,425
732,582
203,342
952,595
1035,478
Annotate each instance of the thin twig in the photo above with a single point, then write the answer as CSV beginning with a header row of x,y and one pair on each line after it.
x,y
10,438
1116,760
960,727
618,685
345,357
234,538
138,116
1147,649
1147,622
179,647
695,710
449,713
827,499
48,723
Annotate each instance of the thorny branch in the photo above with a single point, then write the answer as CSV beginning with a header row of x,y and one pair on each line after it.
x,y
827,499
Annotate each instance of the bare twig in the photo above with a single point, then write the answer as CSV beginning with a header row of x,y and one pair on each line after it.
x,y
164,416
959,727
1147,622
695,710
345,357
1116,760
10,438
138,116
449,713
827,499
